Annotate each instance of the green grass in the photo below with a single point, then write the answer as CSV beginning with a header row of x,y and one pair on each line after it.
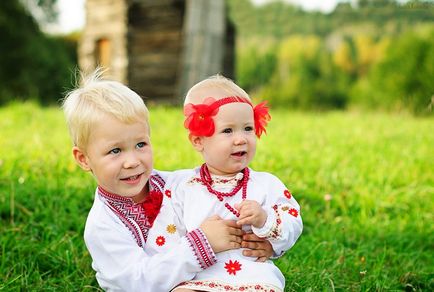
x,y
375,234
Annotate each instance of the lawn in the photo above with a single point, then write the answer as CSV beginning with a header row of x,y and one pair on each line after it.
x,y
365,182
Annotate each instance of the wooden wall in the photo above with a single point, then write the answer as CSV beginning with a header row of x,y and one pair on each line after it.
x,y
159,48
154,47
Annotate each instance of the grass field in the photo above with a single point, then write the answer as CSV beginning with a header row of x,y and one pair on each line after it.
x,y
374,234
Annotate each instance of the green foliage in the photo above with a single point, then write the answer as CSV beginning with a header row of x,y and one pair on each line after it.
x,y
373,233
404,78
376,55
256,64
32,65
279,18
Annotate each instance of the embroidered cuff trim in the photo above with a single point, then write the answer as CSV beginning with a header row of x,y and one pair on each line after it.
x,y
201,248
272,228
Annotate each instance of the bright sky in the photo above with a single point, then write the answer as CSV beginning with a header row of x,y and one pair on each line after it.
x,y
71,13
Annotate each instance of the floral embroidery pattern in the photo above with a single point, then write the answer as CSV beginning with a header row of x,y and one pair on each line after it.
x,y
232,267
168,193
287,194
171,228
160,241
293,212
276,229
225,287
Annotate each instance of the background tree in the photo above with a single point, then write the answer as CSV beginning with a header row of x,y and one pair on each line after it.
x,y
32,64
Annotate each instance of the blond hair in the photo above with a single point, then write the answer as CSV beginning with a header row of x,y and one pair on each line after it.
x,y
216,86
96,97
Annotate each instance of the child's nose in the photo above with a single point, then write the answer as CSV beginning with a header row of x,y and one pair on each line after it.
x,y
131,161
240,139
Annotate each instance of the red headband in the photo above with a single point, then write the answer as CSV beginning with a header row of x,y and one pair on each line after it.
x,y
199,117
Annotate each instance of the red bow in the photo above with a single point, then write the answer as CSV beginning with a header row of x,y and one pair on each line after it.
x,y
262,117
152,205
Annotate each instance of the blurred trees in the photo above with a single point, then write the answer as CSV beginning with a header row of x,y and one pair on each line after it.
x,y
32,64
376,54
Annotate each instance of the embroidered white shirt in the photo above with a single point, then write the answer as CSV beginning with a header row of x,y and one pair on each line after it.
x,y
193,203
127,255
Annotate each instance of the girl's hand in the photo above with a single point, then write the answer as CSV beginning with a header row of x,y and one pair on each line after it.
x,y
222,234
258,247
251,213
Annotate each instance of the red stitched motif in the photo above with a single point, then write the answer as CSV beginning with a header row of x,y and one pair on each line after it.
x,y
293,212
224,286
168,193
160,241
287,194
232,267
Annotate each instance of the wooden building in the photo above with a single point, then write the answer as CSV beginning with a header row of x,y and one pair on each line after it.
x,y
159,48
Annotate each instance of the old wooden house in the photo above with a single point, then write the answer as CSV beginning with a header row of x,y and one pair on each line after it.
x,y
158,47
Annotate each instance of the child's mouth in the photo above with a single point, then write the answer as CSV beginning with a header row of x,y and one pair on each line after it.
x,y
132,178
239,153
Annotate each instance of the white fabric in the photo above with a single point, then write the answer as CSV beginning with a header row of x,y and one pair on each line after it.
x,y
193,203
121,265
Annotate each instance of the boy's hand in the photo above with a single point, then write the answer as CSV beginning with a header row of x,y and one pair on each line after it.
x,y
258,247
251,213
222,234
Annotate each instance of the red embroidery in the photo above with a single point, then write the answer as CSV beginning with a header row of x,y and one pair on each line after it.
x,y
168,193
201,248
232,267
224,286
138,218
293,212
287,194
160,241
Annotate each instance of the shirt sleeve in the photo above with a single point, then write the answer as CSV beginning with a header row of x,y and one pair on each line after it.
x,y
121,265
284,224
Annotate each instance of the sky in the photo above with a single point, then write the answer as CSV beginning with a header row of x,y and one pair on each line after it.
x,y
71,12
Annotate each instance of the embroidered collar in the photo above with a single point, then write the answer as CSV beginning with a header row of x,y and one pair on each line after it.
x,y
137,217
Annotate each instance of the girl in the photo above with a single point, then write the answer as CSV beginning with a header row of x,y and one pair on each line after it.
x,y
223,126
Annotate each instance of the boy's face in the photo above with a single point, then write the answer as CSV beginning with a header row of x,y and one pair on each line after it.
x,y
233,144
119,156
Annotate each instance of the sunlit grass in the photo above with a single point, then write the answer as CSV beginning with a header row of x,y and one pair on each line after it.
x,y
373,230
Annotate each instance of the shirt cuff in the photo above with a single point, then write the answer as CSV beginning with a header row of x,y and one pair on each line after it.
x,y
201,248
270,227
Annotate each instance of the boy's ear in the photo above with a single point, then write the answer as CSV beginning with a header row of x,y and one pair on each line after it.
x,y
81,158
197,142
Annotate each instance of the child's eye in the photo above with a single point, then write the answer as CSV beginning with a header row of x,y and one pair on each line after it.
x,y
227,131
115,151
140,145
248,128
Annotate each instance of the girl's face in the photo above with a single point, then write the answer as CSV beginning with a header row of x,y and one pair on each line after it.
x,y
233,144
120,157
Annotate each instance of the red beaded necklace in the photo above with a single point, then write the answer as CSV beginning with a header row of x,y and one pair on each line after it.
x,y
206,179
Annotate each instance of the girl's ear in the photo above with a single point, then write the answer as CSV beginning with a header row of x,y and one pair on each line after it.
x,y
81,158
197,142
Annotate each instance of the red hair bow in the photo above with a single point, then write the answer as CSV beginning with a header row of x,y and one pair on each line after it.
x,y
199,117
